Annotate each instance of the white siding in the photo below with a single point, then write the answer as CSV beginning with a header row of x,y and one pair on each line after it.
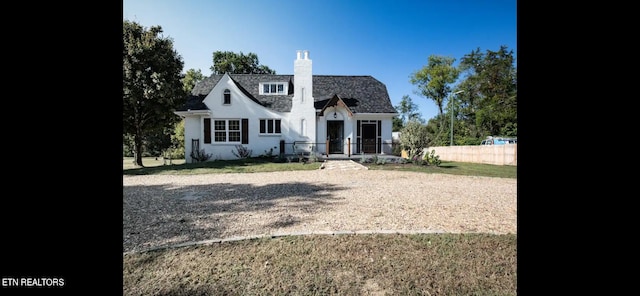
x,y
242,107
302,107
192,130
301,124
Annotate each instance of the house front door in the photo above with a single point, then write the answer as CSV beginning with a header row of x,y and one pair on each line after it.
x,y
368,138
335,135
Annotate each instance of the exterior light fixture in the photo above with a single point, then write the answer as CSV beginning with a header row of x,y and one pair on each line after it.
x,y
335,115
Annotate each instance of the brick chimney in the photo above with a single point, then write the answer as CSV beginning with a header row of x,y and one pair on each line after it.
x,y
303,112
302,79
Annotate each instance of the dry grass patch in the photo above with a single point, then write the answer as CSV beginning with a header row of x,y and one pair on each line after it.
x,y
383,264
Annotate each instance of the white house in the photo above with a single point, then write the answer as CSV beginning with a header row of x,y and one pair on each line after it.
x,y
321,114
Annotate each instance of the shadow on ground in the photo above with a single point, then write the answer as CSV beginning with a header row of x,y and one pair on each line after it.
x,y
163,215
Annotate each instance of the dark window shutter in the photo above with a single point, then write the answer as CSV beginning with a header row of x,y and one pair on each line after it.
x,y
263,126
278,129
207,130
379,126
358,136
245,131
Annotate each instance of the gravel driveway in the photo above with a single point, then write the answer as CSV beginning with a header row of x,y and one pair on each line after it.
x,y
163,210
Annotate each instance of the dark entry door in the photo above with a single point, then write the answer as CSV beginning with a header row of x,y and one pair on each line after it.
x,y
335,135
368,138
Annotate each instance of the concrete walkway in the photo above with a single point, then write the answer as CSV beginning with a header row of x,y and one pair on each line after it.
x,y
352,162
342,165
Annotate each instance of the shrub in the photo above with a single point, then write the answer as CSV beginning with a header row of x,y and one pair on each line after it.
x,y
242,152
396,148
414,137
401,161
417,158
269,154
432,158
200,155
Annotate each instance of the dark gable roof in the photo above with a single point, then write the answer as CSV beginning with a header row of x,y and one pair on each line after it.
x,y
362,94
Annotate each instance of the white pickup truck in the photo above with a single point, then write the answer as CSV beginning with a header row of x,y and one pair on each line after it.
x,y
499,141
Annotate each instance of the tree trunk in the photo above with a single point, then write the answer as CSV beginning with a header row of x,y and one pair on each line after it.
x,y
137,154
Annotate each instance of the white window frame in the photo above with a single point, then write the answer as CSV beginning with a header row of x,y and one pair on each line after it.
x,y
227,131
275,85
224,93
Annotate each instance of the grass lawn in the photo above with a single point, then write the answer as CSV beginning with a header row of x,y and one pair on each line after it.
x,y
252,165
375,264
247,165
392,264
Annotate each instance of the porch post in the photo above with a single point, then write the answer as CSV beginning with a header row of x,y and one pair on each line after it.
x,y
282,151
349,147
327,147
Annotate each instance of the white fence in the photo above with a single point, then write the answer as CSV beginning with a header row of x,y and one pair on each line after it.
x,y
490,154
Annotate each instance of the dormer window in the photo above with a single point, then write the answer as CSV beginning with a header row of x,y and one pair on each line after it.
x,y
273,88
227,97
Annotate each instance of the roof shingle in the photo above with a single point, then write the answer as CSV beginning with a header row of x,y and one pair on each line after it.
x,y
362,94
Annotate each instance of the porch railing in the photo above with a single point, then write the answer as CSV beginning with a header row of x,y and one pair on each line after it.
x,y
346,146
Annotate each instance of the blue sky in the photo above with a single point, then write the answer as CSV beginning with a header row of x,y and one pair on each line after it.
x,y
386,39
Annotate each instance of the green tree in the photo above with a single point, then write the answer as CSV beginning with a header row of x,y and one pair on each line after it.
x,y
238,63
156,141
434,81
489,104
433,130
190,79
177,140
408,111
397,124
414,138
152,86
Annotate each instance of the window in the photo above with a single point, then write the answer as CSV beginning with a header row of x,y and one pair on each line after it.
x,y
227,97
273,88
270,126
226,130
220,130
234,130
